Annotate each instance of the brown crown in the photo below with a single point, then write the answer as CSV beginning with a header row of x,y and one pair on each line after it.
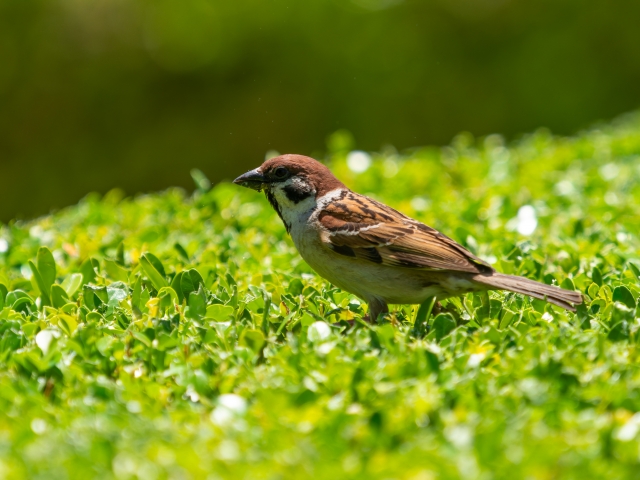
x,y
317,174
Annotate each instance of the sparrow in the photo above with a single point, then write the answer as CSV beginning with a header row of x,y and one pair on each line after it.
x,y
373,251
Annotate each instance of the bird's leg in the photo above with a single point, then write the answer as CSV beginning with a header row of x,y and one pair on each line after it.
x,y
376,308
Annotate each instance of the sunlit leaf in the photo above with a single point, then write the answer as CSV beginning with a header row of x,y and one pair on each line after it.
x,y
150,266
72,284
59,296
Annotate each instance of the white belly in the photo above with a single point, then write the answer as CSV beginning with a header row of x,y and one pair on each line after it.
x,y
365,279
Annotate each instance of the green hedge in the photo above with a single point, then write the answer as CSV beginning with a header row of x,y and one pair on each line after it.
x,y
174,336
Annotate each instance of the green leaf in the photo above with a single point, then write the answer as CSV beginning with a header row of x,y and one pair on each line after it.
x,y
149,265
135,296
422,317
141,337
120,254
568,284
386,334
166,342
596,276
31,362
168,297
88,270
67,323
254,339
15,296
265,313
200,179
210,336
95,296
307,319
190,281
443,325
72,284
116,293
30,329
89,298
3,295
18,303
157,264
507,318
605,293
101,293
145,295
635,269
483,312
40,284
46,267
295,287
115,271
623,295
104,345
619,332
176,285
197,305
181,251
59,297
220,313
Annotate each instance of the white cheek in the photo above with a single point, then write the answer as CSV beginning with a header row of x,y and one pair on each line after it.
x,y
281,195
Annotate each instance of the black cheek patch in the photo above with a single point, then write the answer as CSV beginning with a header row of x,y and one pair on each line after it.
x,y
343,250
296,195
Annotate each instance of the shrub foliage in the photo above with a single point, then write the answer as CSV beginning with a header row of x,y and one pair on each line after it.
x,y
177,336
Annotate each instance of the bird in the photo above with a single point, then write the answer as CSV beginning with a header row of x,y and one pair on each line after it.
x,y
373,251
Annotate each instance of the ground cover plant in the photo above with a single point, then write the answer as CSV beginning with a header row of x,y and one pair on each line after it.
x,y
181,336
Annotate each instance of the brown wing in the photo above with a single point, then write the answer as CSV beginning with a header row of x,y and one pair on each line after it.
x,y
360,227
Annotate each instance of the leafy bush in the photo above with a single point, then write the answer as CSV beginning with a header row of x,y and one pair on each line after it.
x,y
167,336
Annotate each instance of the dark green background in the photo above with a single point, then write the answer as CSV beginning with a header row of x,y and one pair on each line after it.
x,y
133,94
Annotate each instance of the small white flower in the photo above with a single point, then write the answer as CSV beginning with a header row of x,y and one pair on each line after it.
x,y
475,359
630,429
358,161
527,221
230,407
233,402
38,426
134,406
44,339
419,204
319,331
547,317
460,435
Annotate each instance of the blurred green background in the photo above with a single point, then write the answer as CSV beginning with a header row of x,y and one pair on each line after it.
x,y
133,94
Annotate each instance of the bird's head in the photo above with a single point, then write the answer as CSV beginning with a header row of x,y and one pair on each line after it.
x,y
289,180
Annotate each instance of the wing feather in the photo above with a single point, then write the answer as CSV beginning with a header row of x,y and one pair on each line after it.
x,y
360,227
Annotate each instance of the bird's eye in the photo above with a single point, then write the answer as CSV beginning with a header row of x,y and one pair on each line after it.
x,y
280,172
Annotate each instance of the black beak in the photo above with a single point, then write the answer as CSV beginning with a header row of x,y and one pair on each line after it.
x,y
252,179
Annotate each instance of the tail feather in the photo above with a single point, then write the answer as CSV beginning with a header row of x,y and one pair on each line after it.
x,y
552,294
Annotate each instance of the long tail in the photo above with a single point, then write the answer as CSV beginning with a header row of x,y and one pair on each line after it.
x,y
556,295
